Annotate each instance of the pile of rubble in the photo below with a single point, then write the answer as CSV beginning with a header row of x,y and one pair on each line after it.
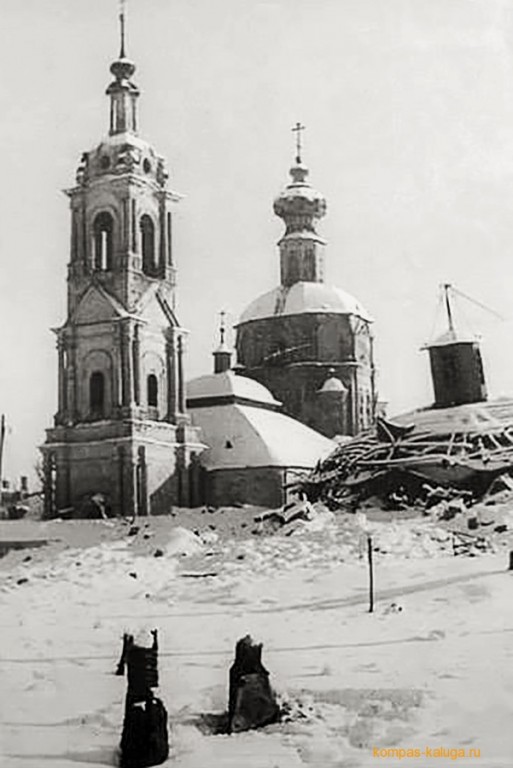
x,y
296,516
405,465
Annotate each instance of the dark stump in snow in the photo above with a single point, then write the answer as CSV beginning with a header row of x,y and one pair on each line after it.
x,y
252,703
144,741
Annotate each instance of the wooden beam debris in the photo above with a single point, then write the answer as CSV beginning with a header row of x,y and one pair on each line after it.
x,y
451,453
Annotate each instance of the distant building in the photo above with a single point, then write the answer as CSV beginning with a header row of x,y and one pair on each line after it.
x,y
254,451
308,342
121,429
455,360
456,369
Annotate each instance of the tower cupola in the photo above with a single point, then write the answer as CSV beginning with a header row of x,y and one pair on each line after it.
x,y
122,205
456,363
122,91
300,206
222,355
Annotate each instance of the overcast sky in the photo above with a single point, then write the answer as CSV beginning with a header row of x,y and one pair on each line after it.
x,y
409,112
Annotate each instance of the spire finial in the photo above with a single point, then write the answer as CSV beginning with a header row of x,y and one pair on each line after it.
x,y
122,9
222,355
447,288
222,327
298,128
122,91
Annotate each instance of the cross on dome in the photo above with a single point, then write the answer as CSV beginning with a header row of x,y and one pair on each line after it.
x,y
122,12
298,128
222,327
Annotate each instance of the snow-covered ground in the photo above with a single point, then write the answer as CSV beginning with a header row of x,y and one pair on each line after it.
x,y
431,667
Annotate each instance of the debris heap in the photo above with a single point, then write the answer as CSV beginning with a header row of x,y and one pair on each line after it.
x,y
462,448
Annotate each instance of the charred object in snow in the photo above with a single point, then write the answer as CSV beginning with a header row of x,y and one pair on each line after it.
x,y
144,740
252,703
462,448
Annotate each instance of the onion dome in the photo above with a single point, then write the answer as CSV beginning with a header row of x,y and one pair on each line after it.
x,y
301,298
299,205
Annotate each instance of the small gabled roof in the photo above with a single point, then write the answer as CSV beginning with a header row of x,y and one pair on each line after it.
x,y
97,305
153,294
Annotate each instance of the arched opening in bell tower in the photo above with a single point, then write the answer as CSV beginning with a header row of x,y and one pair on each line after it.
x,y
97,395
152,391
103,241
148,245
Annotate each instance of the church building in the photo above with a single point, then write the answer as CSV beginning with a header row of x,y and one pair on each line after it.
x,y
121,429
255,453
308,342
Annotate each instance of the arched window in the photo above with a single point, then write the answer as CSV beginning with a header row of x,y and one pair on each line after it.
x,y
153,391
103,241
97,394
148,245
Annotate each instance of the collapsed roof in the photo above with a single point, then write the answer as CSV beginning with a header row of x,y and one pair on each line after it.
x,y
463,446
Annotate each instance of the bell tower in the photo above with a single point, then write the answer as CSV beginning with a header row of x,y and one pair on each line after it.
x,y
121,429
121,206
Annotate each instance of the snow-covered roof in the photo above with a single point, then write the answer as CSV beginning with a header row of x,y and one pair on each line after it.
x,y
127,137
485,416
242,436
228,385
303,297
452,337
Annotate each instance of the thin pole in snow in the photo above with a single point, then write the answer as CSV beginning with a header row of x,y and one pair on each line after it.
x,y
371,575
2,442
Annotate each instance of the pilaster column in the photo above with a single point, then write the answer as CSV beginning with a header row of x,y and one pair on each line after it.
x,y
172,389
74,236
127,387
163,237
181,376
48,486
128,482
71,384
136,364
125,237
133,226
169,226
354,404
142,482
62,398
118,462
62,482
85,252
